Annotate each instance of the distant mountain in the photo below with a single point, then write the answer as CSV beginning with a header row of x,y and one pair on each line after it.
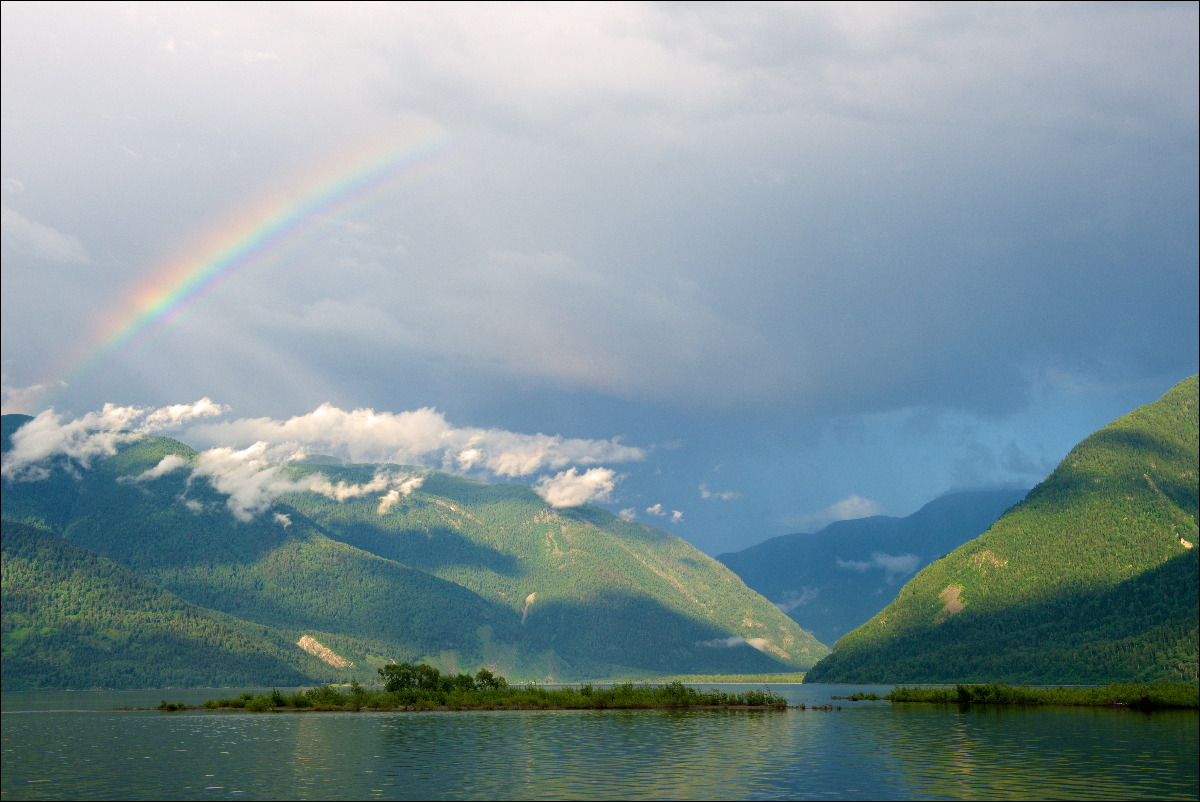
x,y
834,580
458,573
1093,578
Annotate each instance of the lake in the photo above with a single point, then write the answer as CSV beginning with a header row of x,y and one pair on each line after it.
x,y
72,745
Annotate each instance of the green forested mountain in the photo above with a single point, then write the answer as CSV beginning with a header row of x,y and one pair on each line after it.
x,y
834,580
74,619
457,573
1093,578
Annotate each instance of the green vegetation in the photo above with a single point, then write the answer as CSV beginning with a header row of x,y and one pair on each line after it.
x,y
1093,578
421,687
834,580
1158,696
74,619
608,597
458,574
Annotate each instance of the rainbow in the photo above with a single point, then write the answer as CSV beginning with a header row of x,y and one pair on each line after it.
x,y
345,183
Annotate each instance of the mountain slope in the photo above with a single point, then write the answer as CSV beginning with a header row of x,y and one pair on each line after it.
x,y
72,618
1091,579
834,580
458,573
603,593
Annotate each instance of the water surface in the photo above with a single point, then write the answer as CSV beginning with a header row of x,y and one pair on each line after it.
x,y
68,746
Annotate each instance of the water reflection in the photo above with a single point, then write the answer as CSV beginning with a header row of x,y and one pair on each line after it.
x,y
865,750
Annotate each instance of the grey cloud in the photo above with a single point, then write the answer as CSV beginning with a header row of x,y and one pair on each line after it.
x,y
726,495
791,599
893,566
1015,460
645,261
24,235
698,214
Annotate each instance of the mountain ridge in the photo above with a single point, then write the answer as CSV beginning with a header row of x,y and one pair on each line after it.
x,y
456,573
833,580
1058,589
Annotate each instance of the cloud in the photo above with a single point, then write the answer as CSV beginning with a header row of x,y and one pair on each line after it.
x,y
169,463
847,509
567,489
406,486
283,520
80,441
851,508
251,478
659,510
724,643
251,481
893,566
26,236
628,514
93,435
790,599
18,399
421,437
179,414
725,496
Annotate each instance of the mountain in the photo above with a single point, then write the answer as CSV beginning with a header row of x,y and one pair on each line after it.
x,y
74,619
1092,578
834,580
454,572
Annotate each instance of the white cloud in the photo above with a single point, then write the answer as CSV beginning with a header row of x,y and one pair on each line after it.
x,y
93,435
251,481
80,441
420,437
628,514
790,599
283,520
851,508
567,489
251,478
893,566
406,486
24,235
18,399
178,414
167,464
661,511
724,496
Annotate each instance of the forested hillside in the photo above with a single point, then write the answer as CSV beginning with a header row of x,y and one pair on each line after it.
x,y
834,580
1093,578
457,573
74,619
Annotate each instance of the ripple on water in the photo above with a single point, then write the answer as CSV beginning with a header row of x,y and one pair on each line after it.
x,y
874,750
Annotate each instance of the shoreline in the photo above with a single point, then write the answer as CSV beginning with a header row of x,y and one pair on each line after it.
x,y
178,708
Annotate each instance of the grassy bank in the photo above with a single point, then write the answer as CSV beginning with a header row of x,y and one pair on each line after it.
x,y
1160,696
584,697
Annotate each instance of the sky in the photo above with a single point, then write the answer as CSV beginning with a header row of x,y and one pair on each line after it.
x,y
735,270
